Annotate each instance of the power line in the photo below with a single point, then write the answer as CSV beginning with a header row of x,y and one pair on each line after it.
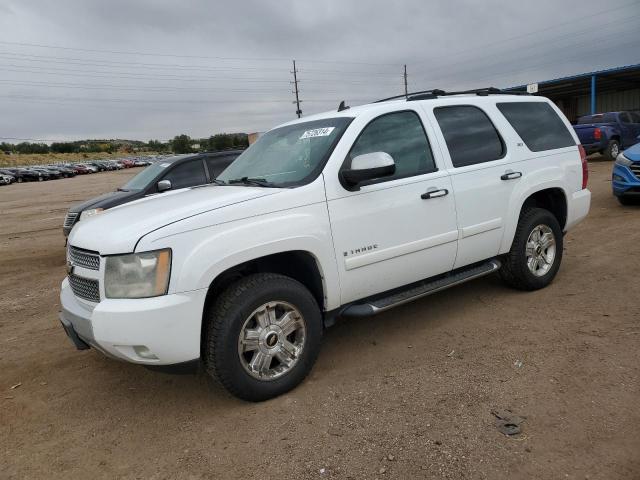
x,y
600,47
539,44
159,76
534,32
173,66
170,55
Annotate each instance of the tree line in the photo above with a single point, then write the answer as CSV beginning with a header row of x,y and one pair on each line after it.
x,y
179,144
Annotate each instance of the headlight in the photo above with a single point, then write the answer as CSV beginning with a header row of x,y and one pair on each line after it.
x,y
138,275
91,212
622,160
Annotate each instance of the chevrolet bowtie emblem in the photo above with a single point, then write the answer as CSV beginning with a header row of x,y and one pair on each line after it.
x,y
69,268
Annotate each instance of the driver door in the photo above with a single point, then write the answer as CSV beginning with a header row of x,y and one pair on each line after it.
x,y
398,229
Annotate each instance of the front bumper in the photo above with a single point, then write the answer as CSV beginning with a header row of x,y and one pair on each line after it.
x,y
624,182
162,330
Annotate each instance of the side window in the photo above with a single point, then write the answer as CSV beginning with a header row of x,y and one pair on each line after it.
x,y
624,117
402,136
187,174
216,165
538,125
471,137
635,117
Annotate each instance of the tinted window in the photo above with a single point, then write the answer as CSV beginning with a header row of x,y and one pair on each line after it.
x,y
216,165
624,117
635,117
538,125
471,137
400,135
187,174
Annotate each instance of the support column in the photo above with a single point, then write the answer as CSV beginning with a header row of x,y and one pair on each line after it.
x,y
593,94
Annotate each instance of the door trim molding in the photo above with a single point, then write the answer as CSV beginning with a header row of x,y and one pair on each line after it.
x,y
487,226
377,256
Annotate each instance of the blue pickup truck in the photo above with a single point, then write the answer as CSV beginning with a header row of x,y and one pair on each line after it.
x,y
608,133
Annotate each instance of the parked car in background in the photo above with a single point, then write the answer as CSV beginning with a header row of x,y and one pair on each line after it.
x,y
81,169
608,133
24,175
625,179
46,174
65,171
6,179
127,162
168,174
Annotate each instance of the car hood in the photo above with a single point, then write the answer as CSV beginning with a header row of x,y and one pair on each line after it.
x,y
118,230
106,200
633,153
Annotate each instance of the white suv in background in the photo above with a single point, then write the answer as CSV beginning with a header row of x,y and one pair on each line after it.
x,y
347,213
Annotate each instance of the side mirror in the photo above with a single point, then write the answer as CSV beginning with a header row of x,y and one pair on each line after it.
x,y
368,167
164,185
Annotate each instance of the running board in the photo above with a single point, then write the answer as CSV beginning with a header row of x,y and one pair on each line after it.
x,y
418,290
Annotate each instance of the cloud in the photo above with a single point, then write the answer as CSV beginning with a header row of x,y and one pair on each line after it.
x,y
222,66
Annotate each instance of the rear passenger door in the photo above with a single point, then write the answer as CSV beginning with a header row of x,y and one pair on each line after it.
x,y
479,163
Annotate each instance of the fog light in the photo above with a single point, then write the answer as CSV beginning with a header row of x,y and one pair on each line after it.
x,y
144,352
618,178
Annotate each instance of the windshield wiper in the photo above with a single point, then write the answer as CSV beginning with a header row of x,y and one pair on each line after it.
x,y
261,182
215,181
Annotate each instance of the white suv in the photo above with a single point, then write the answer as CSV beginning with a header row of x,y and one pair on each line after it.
x,y
347,213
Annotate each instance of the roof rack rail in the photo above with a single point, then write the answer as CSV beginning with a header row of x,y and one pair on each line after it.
x,y
435,93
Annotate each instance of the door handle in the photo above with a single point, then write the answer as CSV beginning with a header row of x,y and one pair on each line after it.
x,y
434,194
511,176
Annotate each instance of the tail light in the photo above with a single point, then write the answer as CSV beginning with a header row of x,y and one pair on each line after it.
x,y
585,167
597,133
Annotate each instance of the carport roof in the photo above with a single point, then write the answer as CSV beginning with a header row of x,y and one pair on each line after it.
x,y
612,79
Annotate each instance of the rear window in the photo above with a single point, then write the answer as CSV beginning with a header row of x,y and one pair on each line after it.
x,y
538,125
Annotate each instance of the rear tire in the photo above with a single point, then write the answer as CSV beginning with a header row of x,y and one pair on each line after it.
x,y
612,150
536,252
264,335
627,201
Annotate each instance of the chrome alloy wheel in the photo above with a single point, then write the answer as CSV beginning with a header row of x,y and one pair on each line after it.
x,y
271,340
541,250
615,150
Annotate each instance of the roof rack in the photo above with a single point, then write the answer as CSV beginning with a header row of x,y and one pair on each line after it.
x,y
435,93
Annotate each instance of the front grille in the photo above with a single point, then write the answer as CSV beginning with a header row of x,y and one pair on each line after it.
x,y
86,288
85,259
70,219
635,168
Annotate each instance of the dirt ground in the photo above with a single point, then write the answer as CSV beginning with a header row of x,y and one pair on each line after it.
x,y
407,394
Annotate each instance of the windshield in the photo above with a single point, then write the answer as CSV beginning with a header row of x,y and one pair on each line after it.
x,y
290,155
146,176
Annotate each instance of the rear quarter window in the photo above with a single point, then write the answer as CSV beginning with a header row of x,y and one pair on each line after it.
x,y
538,125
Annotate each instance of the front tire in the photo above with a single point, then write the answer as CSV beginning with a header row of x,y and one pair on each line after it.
x,y
264,335
612,150
536,251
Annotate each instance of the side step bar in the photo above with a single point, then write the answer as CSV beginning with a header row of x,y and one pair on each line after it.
x,y
383,302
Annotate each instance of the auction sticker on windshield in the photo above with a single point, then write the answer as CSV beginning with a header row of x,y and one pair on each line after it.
x,y
318,132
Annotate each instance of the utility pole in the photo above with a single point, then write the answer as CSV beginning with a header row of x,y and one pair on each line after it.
x,y
296,91
406,89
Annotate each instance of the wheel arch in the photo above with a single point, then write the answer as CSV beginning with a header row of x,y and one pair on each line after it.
x,y
552,197
301,265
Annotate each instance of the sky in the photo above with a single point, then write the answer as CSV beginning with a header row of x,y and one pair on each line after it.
x,y
152,69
